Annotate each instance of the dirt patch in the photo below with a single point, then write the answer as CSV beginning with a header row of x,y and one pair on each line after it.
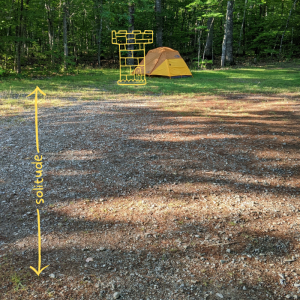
x,y
154,198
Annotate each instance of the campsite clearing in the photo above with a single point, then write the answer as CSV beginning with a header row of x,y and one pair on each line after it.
x,y
154,194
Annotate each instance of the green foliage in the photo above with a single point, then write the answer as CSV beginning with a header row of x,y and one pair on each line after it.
x,y
2,72
37,22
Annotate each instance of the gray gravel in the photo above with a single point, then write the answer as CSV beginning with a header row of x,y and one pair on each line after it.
x,y
96,151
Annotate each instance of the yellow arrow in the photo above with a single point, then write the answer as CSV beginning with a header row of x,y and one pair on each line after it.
x,y
40,250
39,271
36,116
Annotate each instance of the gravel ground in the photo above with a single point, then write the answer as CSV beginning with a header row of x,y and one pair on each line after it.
x,y
147,202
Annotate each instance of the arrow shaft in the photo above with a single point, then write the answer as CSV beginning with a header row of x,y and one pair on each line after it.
x,y
39,270
39,234
36,124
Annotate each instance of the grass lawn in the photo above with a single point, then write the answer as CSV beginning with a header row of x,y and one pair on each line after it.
x,y
265,79
95,84
250,80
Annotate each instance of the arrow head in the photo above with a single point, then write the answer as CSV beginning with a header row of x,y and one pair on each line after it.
x,y
37,89
38,272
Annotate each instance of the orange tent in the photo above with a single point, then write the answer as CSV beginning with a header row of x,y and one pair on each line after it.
x,y
164,61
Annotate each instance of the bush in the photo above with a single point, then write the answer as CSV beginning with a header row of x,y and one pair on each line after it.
x,y
3,72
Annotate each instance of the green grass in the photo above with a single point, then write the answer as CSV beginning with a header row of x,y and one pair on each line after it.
x,y
16,280
100,84
246,80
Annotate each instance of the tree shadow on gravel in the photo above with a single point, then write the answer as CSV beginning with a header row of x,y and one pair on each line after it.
x,y
139,272
155,161
105,154
123,157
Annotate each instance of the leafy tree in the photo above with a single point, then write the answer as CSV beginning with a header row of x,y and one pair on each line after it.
x,y
52,35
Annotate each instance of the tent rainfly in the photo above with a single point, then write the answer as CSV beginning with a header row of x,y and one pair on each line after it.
x,y
164,61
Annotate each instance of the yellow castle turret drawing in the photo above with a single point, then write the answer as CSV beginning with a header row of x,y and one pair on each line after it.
x,y
130,67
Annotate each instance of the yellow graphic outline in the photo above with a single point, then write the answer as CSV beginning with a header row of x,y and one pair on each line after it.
x,y
39,271
36,116
40,248
124,39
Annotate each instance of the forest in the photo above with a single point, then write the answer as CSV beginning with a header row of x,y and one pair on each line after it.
x,y
58,35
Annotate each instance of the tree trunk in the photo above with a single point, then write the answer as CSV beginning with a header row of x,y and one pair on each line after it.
x,y
195,37
229,27
274,45
65,37
199,48
50,26
199,44
130,36
227,55
159,33
99,43
224,44
99,35
18,44
59,27
242,28
209,40
287,23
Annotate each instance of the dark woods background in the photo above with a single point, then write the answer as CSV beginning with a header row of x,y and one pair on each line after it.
x,y
59,35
